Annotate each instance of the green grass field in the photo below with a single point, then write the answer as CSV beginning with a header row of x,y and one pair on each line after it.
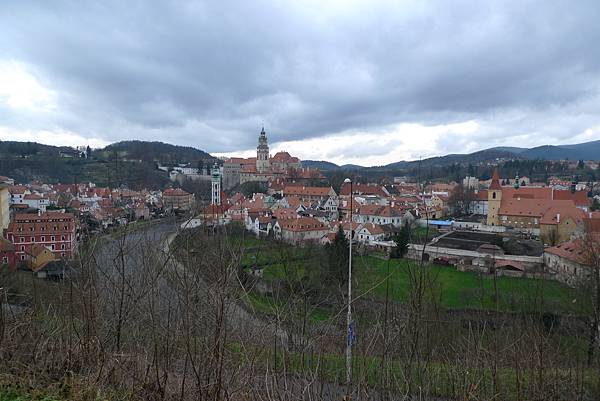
x,y
448,287
464,290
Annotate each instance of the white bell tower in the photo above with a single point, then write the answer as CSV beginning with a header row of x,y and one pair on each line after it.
x,y
215,179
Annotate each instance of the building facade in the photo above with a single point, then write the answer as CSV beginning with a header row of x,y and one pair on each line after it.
x,y
53,230
177,199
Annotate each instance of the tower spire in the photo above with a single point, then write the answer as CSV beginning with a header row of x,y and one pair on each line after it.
x,y
495,184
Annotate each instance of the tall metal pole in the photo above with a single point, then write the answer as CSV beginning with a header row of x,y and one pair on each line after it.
x,y
349,331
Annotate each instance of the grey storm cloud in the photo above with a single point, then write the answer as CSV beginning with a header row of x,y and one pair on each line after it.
x,y
208,74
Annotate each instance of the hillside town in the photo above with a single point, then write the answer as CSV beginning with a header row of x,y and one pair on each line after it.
x,y
474,221
503,225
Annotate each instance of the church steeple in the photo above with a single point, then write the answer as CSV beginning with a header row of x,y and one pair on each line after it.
x,y
494,200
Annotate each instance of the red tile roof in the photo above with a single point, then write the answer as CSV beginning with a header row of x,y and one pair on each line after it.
x,y
576,251
530,207
296,190
378,210
285,213
557,213
373,229
579,197
285,157
302,224
175,192
362,189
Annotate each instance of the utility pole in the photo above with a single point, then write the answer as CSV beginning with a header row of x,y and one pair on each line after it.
x,y
349,329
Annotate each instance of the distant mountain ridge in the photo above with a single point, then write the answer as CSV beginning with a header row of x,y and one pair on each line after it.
x,y
580,151
320,164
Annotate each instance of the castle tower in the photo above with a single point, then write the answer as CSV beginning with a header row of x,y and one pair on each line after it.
x,y
494,200
262,153
215,179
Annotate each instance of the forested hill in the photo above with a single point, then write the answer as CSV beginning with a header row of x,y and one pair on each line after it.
x,y
130,163
156,152
26,149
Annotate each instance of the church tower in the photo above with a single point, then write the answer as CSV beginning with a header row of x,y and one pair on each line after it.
x,y
262,153
215,179
494,200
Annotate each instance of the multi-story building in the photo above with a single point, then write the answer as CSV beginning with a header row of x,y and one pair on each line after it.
x,y
177,199
17,193
309,194
35,201
379,214
303,229
53,230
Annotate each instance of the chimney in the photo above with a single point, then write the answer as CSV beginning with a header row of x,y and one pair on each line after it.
x,y
558,217
39,212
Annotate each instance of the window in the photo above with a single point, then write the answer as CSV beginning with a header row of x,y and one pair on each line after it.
x,y
62,246
5,260
32,239
43,238
62,237
22,239
53,246
62,254
22,247
22,257
52,238
493,195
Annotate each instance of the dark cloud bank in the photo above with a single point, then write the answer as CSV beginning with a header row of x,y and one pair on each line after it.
x,y
208,74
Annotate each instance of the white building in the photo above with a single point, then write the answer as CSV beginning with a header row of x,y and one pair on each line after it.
x,y
36,201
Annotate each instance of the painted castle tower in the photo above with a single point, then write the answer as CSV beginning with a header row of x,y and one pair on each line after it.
x,y
262,153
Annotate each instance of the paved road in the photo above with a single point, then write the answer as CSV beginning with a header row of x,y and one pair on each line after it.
x,y
134,257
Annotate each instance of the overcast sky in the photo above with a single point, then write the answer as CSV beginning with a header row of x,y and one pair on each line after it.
x,y
367,82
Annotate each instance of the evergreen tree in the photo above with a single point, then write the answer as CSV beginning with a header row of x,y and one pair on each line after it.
x,y
401,239
337,253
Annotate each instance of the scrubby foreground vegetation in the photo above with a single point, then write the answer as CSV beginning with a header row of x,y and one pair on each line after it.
x,y
220,315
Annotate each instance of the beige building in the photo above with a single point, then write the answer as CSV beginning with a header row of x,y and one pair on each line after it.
x,y
303,229
4,208
570,262
177,199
